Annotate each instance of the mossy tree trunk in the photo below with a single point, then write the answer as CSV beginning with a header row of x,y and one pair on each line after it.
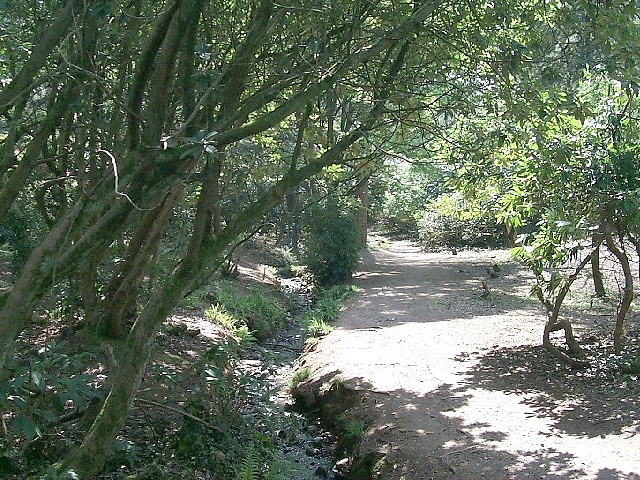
x,y
620,253
596,272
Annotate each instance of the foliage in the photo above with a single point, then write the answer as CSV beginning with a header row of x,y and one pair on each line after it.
x,y
42,391
326,309
235,403
451,222
250,314
16,231
139,128
36,398
300,375
332,241
400,193
52,474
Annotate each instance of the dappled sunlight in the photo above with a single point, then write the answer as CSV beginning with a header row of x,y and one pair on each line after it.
x,y
362,276
448,357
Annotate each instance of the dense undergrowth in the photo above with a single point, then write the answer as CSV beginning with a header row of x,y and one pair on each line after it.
x,y
202,411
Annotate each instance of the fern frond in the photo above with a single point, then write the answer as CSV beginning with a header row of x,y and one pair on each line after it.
x,y
249,468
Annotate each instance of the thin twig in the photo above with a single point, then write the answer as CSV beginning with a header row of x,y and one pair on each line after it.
x,y
115,179
181,412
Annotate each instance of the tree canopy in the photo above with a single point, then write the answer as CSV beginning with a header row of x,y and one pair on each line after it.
x,y
129,128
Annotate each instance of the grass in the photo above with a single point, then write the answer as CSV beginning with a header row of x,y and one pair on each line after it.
x,y
317,321
300,375
354,430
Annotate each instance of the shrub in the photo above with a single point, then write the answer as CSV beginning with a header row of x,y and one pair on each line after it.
x,y
260,313
450,222
326,309
332,242
300,376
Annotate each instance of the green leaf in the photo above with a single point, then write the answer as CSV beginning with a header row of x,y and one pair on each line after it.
x,y
25,425
37,380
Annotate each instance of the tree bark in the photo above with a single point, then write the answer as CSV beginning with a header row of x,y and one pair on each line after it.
x,y
627,295
598,282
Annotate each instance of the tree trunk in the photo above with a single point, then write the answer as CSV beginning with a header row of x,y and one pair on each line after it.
x,y
88,459
598,283
565,325
627,295
362,213
292,227
554,323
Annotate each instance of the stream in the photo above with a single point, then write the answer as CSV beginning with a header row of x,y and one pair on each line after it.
x,y
304,443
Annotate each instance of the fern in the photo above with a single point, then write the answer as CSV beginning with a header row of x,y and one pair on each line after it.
x,y
280,469
250,467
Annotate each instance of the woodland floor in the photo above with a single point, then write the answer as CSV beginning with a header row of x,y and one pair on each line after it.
x,y
437,360
452,382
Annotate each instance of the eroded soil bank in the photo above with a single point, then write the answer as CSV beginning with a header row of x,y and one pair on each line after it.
x,y
439,355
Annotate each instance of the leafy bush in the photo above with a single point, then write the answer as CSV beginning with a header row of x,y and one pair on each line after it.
x,y
332,242
235,437
451,222
41,392
254,313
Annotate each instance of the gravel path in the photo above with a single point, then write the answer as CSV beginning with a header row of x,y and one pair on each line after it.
x,y
444,350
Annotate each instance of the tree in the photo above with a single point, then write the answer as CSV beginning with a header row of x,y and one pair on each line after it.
x,y
561,143
130,119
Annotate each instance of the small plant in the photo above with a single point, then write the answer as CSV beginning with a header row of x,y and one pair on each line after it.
x,y
249,468
353,431
300,375
220,316
326,309
261,313
315,326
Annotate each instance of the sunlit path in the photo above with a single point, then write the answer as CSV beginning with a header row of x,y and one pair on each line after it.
x,y
456,382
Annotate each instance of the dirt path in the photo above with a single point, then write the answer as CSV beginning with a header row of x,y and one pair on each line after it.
x,y
454,384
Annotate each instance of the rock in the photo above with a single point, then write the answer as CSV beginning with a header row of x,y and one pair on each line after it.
x,y
312,451
341,466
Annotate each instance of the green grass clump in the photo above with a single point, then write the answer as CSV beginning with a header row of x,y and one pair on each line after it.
x,y
317,321
260,313
300,376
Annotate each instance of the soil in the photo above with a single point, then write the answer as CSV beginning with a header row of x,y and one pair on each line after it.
x,y
439,354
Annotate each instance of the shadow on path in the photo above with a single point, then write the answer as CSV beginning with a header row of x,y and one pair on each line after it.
x,y
440,354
